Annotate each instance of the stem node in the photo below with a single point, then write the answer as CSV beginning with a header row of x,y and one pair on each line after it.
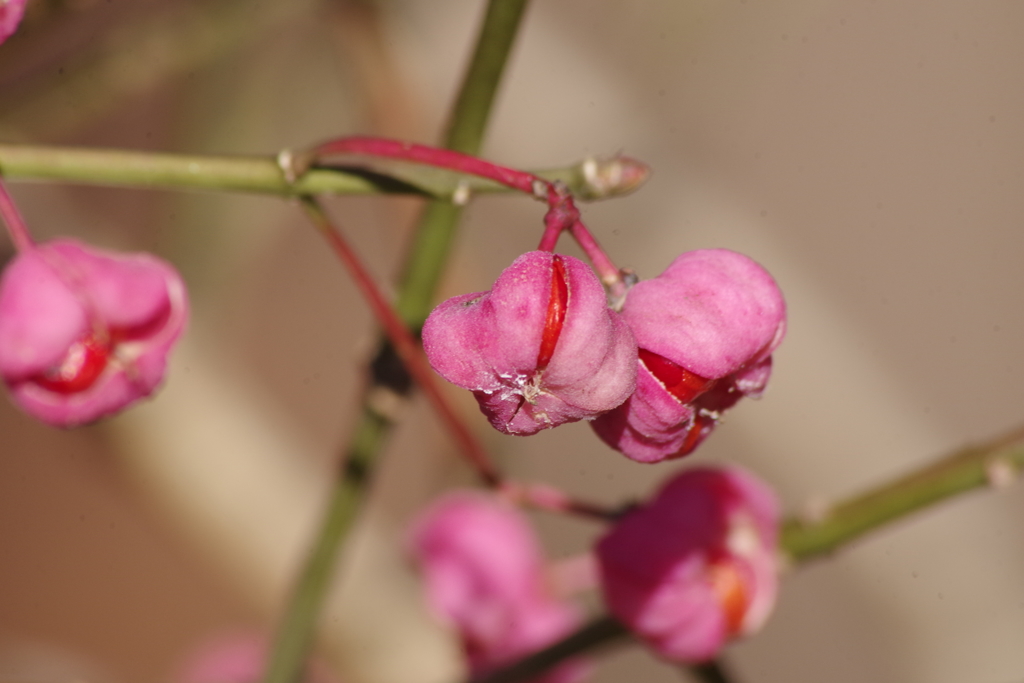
x,y
286,162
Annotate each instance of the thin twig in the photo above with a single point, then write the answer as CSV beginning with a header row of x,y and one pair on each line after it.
x,y
404,343
16,227
589,179
562,213
993,463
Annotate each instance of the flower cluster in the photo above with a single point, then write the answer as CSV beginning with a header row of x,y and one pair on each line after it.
x,y
687,571
85,333
484,575
542,348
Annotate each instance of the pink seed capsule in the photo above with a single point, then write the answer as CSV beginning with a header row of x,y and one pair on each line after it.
x,y
696,566
539,349
84,333
705,328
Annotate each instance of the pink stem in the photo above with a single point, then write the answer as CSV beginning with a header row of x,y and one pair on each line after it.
x,y
562,212
610,275
431,156
550,499
16,228
405,345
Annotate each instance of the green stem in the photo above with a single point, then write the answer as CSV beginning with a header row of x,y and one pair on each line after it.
x,y
297,628
404,343
432,241
421,273
472,109
263,174
991,463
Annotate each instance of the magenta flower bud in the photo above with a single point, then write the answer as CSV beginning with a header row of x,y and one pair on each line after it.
x,y
11,12
705,329
541,348
696,566
484,574
85,333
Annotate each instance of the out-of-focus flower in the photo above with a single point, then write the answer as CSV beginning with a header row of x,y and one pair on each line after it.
x,y
233,658
11,12
705,329
238,657
541,348
696,566
484,575
85,333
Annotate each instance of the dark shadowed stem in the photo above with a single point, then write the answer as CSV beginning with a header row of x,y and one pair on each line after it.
x,y
16,227
599,633
426,261
710,672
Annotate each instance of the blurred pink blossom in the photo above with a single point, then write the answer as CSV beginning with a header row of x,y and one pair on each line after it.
x,y
85,333
238,657
697,565
232,658
484,575
11,12
541,348
705,329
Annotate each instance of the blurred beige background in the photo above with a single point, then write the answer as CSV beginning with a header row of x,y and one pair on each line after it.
x,y
869,154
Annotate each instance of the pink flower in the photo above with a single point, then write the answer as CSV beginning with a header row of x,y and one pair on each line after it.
x,y
705,329
541,348
85,333
11,12
238,657
696,566
484,574
232,658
